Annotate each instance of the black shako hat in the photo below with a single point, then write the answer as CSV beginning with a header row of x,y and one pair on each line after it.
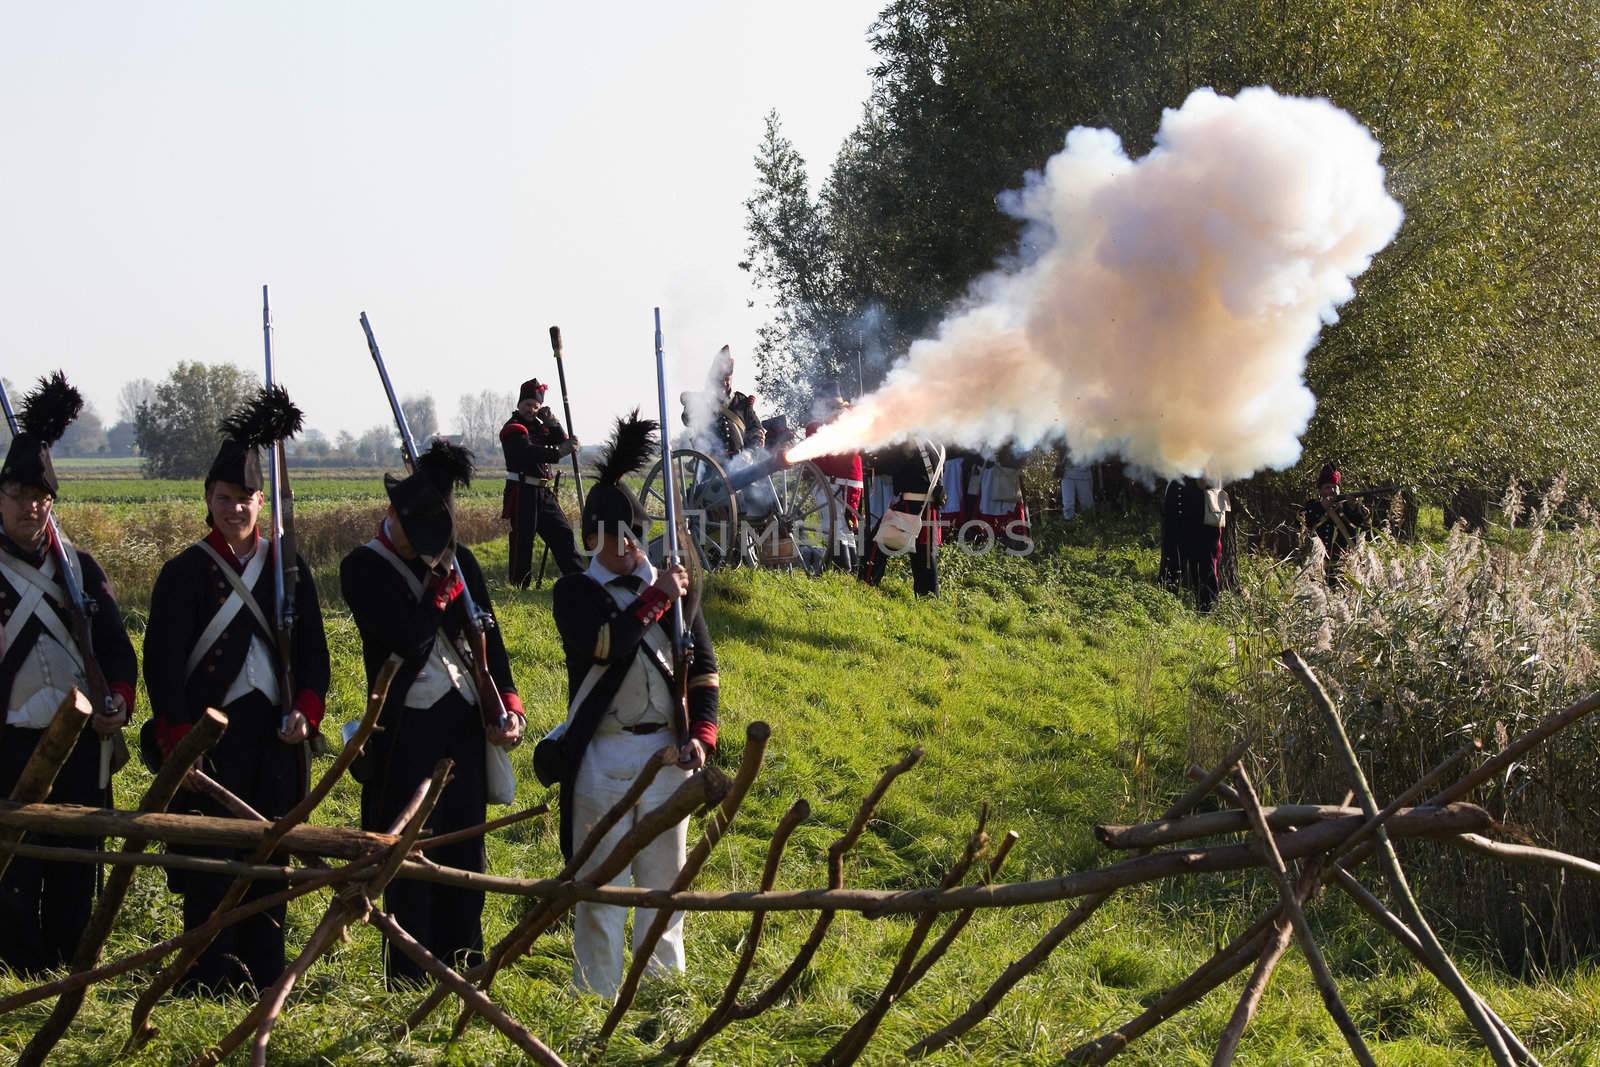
x,y
422,499
264,419
610,503
44,416
532,389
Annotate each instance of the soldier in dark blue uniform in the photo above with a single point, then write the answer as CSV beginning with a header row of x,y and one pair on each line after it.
x,y
44,906
533,440
211,643
406,600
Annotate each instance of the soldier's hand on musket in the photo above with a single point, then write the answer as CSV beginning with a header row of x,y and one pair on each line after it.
x,y
106,722
509,733
673,581
572,445
692,756
295,728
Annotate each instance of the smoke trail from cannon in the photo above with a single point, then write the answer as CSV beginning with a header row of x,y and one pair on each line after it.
x,y
1167,304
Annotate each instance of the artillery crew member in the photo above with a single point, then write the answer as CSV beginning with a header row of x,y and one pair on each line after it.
x,y
911,524
407,600
45,906
615,622
212,643
533,439
844,474
723,420
1335,519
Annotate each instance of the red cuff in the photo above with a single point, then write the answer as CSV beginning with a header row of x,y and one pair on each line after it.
x,y
704,732
127,693
168,734
513,703
651,605
311,705
443,596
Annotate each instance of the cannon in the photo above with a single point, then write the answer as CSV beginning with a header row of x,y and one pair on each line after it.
x,y
753,509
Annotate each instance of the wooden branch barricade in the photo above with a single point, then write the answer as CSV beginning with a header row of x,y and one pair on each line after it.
x,y
1300,847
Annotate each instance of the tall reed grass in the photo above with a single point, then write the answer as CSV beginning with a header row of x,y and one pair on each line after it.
x,y
1424,647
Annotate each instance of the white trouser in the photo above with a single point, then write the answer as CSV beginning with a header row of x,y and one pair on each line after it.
x,y
610,764
1077,491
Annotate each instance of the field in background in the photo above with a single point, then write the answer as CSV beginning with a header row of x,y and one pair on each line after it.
x,y
1059,689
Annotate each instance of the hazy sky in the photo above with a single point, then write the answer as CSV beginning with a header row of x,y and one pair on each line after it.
x,y
467,173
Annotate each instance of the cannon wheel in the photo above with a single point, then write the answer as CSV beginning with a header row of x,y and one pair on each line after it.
x,y
807,518
712,512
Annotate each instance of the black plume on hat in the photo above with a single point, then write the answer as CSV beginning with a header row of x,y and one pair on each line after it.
x,y
265,419
448,466
44,417
609,503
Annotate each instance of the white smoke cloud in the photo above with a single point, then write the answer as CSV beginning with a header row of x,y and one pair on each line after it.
x,y
1168,313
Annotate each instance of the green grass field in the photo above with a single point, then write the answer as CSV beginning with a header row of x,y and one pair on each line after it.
x,y
1056,689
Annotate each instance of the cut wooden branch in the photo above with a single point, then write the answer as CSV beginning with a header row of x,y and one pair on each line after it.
x,y
1302,927
349,905
755,747
201,782
959,923
1514,751
1451,820
1469,1001
836,853
1408,940
722,1014
498,1017
315,880
139,1028
1527,854
1214,823
188,751
73,820
504,949
1221,966
482,829
849,1047
50,752
1025,965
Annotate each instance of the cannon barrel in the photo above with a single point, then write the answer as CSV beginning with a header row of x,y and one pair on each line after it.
x,y
748,476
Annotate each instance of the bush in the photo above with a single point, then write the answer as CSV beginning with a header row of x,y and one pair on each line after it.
x,y
1423,648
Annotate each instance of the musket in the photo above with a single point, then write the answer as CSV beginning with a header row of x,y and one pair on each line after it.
x,y
490,703
544,555
682,652
285,556
566,408
79,611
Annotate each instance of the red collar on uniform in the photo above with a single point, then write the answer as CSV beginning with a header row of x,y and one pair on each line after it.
x,y
220,543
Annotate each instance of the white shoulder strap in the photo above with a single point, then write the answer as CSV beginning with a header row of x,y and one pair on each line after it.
x,y
240,598
413,583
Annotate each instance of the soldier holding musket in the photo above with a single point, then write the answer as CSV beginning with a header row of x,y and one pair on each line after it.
x,y
911,524
49,646
1335,519
211,643
409,590
533,440
625,705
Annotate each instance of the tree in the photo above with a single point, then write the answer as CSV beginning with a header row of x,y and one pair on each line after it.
x,y
122,439
480,416
178,428
1463,358
422,418
379,446
132,396
85,437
